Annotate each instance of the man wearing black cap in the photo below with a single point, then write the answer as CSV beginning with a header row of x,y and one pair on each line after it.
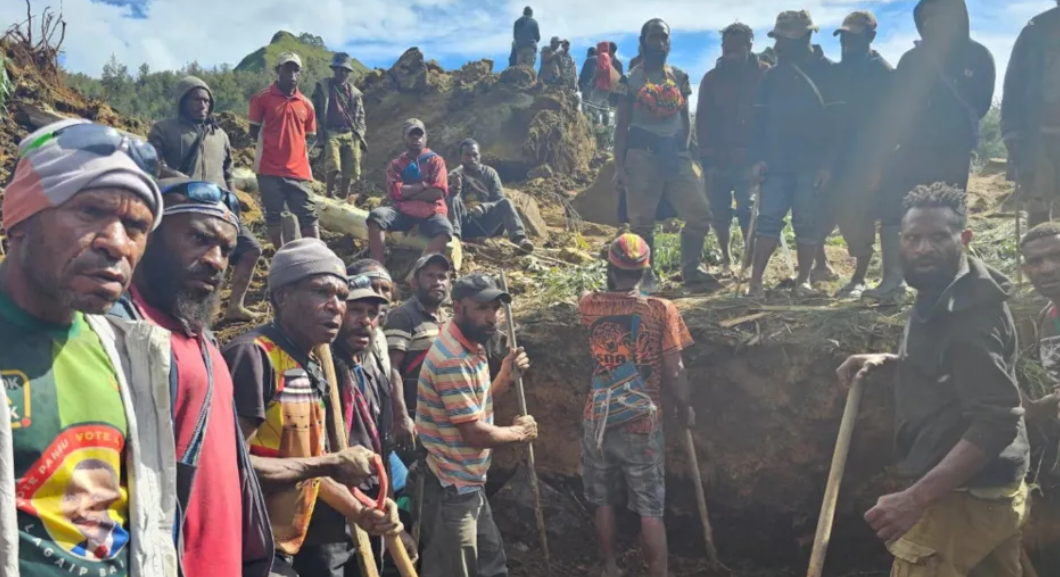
x,y
454,418
341,126
412,328
417,183
177,287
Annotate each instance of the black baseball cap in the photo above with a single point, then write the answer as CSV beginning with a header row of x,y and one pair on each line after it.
x,y
480,288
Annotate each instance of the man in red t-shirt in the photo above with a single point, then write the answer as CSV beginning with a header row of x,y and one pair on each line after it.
x,y
627,327
177,287
417,183
281,119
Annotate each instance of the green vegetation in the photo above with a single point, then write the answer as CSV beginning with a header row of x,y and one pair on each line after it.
x,y
5,86
149,95
991,145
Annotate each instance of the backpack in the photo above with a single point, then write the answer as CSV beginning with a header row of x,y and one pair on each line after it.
x,y
620,395
605,73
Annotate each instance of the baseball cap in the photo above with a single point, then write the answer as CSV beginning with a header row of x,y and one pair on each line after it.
x,y
793,24
480,288
288,57
857,23
433,258
361,289
412,124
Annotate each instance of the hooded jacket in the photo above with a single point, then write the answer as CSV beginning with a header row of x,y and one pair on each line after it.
x,y
175,140
1021,107
795,116
725,111
862,84
938,102
956,379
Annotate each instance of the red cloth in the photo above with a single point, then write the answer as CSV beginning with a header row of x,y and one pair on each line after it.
x,y
214,525
434,174
604,80
285,122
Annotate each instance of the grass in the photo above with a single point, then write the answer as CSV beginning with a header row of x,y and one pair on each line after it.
x,y
5,86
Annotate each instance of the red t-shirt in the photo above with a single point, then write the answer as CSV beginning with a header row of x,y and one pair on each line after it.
x,y
214,522
285,122
434,176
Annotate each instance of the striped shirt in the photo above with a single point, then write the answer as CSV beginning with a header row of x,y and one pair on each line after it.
x,y
454,388
412,329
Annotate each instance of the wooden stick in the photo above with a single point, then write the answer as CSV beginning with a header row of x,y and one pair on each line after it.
x,y
749,242
835,477
521,395
701,500
1019,236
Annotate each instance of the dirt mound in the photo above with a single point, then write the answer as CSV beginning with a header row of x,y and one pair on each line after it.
x,y
519,123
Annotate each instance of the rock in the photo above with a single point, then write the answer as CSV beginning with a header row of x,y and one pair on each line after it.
x,y
513,511
575,256
599,202
529,211
543,171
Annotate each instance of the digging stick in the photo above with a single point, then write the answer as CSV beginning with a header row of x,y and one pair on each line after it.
x,y
701,500
364,546
521,395
1019,235
749,242
421,476
835,477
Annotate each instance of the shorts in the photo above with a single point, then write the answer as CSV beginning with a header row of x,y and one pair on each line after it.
x,y
278,192
851,207
648,182
246,243
342,154
963,535
1040,177
785,192
629,468
391,220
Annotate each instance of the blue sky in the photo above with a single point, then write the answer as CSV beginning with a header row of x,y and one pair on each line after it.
x,y
170,33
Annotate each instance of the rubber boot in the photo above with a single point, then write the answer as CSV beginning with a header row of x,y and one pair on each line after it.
x,y
893,283
691,255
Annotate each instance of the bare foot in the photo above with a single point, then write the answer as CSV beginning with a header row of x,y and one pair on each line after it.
x,y
240,314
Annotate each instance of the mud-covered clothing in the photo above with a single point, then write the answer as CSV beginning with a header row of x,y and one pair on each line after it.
x,y
629,469
342,155
608,316
656,179
286,399
725,111
956,379
412,329
525,32
966,534
862,85
479,207
795,125
199,150
1031,102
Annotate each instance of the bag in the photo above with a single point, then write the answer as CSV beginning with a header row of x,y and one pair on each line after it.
x,y
605,73
412,173
620,395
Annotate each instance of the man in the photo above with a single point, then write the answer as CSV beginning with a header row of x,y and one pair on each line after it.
x,y
412,328
178,287
1041,263
280,400
612,48
652,157
281,119
650,333
1030,113
943,88
723,130
568,69
195,146
862,81
341,126
86,406
960,433
792,147
478,205
417,183
605,80
551,71
454,418
585,78
526,36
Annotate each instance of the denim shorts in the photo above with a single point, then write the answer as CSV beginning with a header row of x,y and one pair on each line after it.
x,y
793,192
628,468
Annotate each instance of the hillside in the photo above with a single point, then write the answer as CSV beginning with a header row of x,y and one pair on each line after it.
x,y
315,55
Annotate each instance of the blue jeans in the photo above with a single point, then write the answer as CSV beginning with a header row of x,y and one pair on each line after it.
x,y
730,183
789,191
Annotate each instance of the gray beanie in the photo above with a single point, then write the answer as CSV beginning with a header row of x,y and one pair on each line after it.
x,y
303,258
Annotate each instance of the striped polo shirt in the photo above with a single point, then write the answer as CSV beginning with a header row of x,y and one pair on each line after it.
x,y
454,388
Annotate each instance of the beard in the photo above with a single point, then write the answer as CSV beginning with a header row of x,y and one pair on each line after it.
x,y
427,297
165,278
476,334
936,279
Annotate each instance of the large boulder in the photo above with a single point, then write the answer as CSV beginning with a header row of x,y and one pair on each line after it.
x,y
519,123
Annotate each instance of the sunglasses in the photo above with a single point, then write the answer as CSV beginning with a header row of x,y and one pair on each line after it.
x,y
205,193
101,141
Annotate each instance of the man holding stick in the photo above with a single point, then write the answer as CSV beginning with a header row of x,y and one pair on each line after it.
x,y
649,332
454,419
960,430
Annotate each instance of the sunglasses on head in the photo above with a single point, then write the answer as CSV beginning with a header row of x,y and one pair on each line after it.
x,y
101,141
204,192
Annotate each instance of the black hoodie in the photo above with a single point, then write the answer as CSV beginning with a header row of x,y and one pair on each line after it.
x,y
862,84
938,101
956,379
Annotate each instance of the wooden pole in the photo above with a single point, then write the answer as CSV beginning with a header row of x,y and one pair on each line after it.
x,y
521,395
749,242
701,500
835,477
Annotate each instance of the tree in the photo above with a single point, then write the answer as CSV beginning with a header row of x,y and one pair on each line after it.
x,y
142,73
115,78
